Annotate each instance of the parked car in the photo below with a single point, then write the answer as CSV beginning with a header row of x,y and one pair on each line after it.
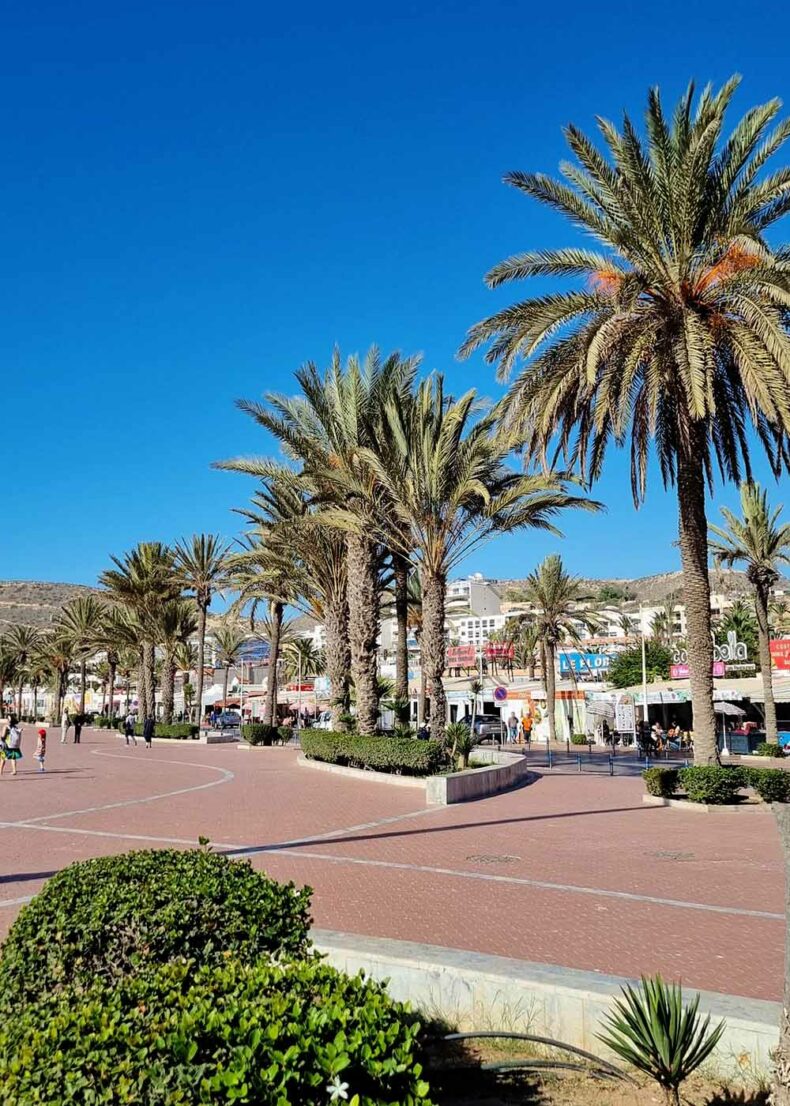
x,y
228,720
323,721
487,727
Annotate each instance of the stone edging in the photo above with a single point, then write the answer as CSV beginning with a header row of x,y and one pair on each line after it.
x,y
476,991
708,808
506,770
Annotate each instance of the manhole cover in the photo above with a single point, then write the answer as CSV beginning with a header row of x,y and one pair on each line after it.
x,y
488,858
669,855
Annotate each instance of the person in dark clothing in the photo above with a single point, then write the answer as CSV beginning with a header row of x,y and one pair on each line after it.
x,y
78,720
148,731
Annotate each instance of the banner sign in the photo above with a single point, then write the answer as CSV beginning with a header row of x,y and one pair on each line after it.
x,y
581,663
461,656
683,672
780,653
499,652
624,721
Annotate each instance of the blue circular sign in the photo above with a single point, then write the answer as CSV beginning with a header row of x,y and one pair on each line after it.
x,y
500,694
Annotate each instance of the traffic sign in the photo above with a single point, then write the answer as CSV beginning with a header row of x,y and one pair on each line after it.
x,y
500,694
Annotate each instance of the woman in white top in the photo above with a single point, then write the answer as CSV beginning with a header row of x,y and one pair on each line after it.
x,y
11,747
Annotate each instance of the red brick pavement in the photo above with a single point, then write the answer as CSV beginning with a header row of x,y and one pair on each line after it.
x,y
570,870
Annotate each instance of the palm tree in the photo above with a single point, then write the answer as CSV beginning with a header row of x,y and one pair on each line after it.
x,y
229,640
561,611
740,620
175,624
142,580
8,668
525,644
337,414
303,659
761,542
449,487
678,337
81,622
201,565
21,642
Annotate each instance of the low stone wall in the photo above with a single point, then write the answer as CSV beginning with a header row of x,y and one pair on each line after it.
x,y
708,808
474,991
506,770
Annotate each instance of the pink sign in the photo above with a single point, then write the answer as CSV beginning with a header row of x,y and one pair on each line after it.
x,y
682,671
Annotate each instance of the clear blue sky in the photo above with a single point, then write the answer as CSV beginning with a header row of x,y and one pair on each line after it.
x,y
199,196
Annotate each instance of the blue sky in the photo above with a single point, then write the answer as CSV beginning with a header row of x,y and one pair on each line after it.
x,y
200,196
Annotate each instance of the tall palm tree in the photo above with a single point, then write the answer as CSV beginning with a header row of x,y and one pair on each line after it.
x,y
560,611
201,565
760,541
176,622
81,622
336,414
229,640
678,337
449,488
303,659
21,642
8,668
142,580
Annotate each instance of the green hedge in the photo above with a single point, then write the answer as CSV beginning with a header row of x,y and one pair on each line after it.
x,y
264,1033
711,784
259,733
769,749
406,756
179,731
661,781
771,784
106,917
579,739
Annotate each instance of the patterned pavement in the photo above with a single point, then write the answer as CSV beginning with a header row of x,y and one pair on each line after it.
x,y
571,869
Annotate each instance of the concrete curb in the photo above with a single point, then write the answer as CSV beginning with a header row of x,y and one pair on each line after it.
x,y
708,808
476,991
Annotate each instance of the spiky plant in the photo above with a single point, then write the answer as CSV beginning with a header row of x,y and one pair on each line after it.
x,y
677,339
651,1028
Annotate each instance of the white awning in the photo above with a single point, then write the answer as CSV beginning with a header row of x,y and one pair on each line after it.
x,y
728,708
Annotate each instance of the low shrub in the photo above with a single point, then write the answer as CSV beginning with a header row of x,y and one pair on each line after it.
x,y
579,739
405,756
285,733
769,749
264,1032
178,731
661,781
259,733
106,917
711,784
771,784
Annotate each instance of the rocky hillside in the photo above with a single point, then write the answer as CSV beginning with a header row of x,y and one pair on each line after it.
x,y
34,603
650,590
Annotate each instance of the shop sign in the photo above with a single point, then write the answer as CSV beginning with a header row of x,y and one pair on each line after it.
x,y
780,653
461,656
581,663
683,671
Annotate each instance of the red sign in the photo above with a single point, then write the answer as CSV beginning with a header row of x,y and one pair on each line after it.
x,y
461,656
682,671
780,653
499,652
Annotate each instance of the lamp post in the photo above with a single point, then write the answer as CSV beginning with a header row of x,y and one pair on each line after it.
x,y
644,673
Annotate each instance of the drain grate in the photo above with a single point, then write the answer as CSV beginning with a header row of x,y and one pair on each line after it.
x,y
492,858
670,855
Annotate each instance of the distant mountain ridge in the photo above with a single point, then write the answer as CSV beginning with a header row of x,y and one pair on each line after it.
x,y
34,602
655,589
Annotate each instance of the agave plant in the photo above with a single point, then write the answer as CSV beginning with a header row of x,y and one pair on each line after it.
x,y
461,740
652,1029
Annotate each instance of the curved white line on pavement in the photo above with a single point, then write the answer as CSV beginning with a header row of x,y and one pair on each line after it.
x,y
225,773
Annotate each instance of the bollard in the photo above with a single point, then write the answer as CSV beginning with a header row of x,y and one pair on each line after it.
x,y
589,749
686,762
611,765
550,756
568,748
647,762
578,763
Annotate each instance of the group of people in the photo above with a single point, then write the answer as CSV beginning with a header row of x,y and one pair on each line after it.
x,y
130,733
519,729
11,745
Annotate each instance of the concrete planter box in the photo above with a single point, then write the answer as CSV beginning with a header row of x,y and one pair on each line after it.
x,y
708,808
506,770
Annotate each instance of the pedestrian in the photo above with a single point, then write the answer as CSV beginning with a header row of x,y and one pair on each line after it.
x,y
12,745
78,720
526,727
128,728
41,749
512,727
65,722
148,731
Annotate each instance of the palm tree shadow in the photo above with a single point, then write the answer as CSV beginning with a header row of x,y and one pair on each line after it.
x,y
739,1098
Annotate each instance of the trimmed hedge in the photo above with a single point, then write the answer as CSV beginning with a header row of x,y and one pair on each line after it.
x,y
263,1033
259,733
771,784
579,739
769,749
105,918
179,731
405,756
661,781
711,784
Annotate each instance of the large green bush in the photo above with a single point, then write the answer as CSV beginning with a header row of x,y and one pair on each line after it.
x,y
262,1033
769,749
661,781
106,917
406,756
711,784
259,733
771,784
179,731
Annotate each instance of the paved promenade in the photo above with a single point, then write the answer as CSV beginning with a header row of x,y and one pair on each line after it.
x,y
569,870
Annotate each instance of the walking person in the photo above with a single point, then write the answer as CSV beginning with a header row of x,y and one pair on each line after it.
x,y
12,745
78,720
512,727
41,749
65,722
148,731
128,729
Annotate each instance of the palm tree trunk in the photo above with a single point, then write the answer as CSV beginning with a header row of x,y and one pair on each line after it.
x,y
781,1088
142,695
201,657
338,657
148,678
363,625
225,686
693,533
19,699
551,688
400,569
763,637
35,702
434,647
168,688
111,687
83,683
270,715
